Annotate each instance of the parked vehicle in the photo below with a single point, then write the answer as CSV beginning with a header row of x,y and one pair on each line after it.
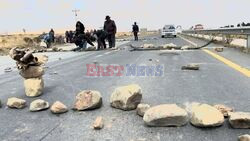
x,y
168,31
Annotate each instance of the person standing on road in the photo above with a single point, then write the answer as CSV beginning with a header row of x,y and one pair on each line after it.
x,y
110,28
101,36
135,31
80,39
52,35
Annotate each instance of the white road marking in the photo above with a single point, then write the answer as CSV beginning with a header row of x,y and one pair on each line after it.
x,y
187,40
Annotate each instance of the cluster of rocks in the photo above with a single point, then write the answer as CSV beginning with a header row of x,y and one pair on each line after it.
x,y
30,68
37,105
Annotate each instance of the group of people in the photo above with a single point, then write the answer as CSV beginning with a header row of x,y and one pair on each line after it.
x,y
80,38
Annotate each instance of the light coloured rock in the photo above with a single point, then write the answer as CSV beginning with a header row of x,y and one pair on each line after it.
x,y
126,97
38,105
16,103
141,109
206,116
98,124
32,72
88,100
191,67
148,46
165,115
239,120
219,49
170,46
223,109
244,138
33,87
58,108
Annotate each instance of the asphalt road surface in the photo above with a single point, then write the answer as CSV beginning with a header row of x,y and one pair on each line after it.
x,y
214,83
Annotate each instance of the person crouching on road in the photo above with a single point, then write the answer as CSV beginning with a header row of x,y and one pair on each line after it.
x,y
80,39
101,36
110,28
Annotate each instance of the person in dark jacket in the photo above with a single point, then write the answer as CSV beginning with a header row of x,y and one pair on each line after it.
x,y
80,38
67,36
101,36
135,31
52,34
110,28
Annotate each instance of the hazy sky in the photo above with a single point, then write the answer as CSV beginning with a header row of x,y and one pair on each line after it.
x,y
40,15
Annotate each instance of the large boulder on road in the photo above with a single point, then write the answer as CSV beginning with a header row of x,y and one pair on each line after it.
x,y
38,105
16,103
239,120
33,87
32,72
206,116
165,115
88,100
126,97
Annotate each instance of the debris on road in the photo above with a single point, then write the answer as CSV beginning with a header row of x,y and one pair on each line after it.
x,y
141,109
126,97
165,115
16,103
33,87
191,67
245,137
219,49
30,69
206,116
88,100
224,109
170,46
38,105
98,124
58,108
240,120
7,70
148,46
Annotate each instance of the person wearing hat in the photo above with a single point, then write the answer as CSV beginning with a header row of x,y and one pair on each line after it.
x,y
110,28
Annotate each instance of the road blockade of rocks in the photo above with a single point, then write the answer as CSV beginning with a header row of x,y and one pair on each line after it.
x,y
126,97
58,108
141,109
16,103
30,68
38,105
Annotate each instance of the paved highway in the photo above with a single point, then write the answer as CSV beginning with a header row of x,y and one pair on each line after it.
x,y
215,83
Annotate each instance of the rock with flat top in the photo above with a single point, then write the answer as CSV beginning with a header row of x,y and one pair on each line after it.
x,y
88,100
16,103
126,97
239,120
32,72
33,87
165,115
206,116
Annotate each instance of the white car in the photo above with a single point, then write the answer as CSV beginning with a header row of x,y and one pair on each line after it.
x,y
168,31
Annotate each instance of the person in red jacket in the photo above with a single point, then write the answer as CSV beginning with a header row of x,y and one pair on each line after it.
x,y
110,28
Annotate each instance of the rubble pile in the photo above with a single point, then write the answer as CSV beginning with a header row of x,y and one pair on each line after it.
x,y
30,68
225,110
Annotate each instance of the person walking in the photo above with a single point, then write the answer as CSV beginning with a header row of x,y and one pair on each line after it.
x,y
135,31
52,34
101,36
110,28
